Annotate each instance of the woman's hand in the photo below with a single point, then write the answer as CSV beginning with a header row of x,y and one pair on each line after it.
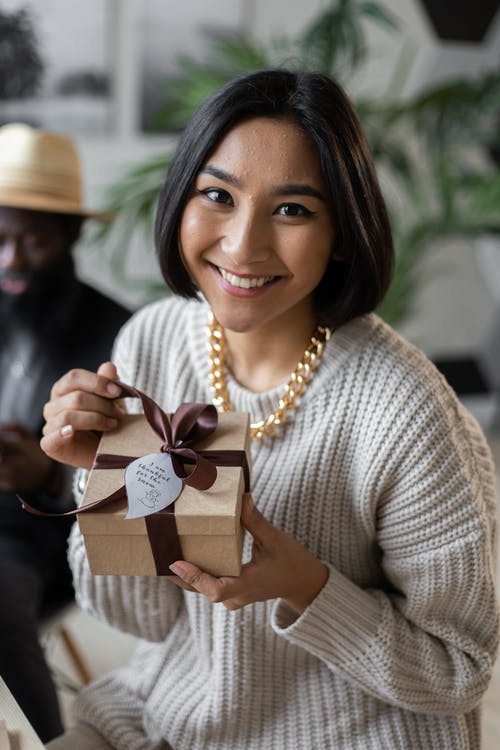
x,y
281,567
81,406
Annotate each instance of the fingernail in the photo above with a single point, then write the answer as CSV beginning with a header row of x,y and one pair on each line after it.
x,y
67,430
110,422
177,569
113,389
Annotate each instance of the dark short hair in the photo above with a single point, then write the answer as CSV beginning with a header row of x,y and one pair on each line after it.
x,y
356,283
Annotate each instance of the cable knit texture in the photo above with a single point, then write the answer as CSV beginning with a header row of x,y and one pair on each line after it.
x,y
385,477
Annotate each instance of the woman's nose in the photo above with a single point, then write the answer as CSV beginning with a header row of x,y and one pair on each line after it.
x,y
247,239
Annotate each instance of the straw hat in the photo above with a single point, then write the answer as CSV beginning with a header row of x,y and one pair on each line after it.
x,y
41,171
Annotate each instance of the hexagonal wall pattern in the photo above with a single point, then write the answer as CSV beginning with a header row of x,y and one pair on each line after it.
x,y
461,20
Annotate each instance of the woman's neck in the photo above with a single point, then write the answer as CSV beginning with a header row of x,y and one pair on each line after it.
x,y
263,359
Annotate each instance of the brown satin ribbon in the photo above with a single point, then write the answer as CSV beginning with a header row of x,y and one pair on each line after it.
x,y
189,424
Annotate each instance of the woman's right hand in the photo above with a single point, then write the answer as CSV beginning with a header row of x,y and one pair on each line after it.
x,y
82,405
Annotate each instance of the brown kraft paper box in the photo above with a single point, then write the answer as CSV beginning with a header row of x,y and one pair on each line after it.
x,y
208,521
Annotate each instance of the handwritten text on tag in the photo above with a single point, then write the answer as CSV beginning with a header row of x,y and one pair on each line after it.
x,y
151,484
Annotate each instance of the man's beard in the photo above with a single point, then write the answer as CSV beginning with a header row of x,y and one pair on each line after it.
x,y
42,308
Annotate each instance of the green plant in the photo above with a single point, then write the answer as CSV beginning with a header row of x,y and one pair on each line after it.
x,y
334,43
132,201
449,186
438,185
229,55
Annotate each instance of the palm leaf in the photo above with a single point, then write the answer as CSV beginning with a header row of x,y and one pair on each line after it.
x,y
335,42
230,55
379,14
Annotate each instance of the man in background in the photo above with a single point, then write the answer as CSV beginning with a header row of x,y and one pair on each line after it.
x,y
50,322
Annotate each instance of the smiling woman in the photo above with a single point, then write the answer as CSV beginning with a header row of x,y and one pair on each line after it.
x,y
308,143
365,612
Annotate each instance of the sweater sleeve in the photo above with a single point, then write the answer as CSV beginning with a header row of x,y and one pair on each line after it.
x,y
426,640
145,606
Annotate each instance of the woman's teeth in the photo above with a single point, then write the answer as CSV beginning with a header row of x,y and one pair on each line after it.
x,y
244,283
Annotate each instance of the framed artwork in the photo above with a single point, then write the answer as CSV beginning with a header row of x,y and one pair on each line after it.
x,y
56,65
169,31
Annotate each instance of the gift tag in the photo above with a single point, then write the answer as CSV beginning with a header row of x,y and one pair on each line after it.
x,y
151,484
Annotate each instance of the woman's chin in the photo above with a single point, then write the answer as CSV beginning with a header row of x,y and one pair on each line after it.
x,y
236,324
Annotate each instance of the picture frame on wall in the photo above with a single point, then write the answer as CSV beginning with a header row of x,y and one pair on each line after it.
x,y
56,63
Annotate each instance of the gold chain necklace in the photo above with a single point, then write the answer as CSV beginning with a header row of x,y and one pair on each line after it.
x,y
295,387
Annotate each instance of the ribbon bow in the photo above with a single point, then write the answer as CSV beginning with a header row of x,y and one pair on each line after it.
x,y
190,423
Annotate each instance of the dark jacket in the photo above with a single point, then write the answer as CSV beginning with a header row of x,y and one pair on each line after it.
x,y
82,334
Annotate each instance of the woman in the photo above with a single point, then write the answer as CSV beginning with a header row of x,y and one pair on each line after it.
x,y
366,615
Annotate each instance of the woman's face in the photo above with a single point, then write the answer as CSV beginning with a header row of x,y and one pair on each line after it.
x,y
256,233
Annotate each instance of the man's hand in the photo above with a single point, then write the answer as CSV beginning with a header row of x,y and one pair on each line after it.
x,y
24,467
281,567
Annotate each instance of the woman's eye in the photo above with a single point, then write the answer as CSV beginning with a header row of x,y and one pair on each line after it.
x,y
218,196
293,209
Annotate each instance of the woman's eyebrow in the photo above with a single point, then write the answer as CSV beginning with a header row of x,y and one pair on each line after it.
x,y
299,189
287,189
221,175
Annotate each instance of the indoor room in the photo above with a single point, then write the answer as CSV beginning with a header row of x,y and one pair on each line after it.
x,y
186,193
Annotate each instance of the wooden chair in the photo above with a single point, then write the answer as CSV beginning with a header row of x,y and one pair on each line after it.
x,y
53,625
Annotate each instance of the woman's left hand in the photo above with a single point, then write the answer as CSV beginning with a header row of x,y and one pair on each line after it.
x,y
281,567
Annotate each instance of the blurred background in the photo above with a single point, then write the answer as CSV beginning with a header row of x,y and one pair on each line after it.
x,y
122,77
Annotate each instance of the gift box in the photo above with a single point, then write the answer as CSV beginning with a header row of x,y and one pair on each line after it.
x,y
207,521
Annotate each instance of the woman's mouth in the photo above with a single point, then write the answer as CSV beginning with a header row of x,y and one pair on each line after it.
x,y
245,282
244,285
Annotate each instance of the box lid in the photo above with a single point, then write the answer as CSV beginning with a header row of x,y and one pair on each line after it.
x,y
213,511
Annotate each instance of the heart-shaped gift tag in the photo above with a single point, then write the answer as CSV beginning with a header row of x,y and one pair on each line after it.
x,y
151,484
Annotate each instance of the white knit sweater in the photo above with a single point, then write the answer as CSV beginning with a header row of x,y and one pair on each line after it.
x,y
385,477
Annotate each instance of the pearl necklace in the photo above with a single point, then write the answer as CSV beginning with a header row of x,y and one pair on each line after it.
x,y
295,387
